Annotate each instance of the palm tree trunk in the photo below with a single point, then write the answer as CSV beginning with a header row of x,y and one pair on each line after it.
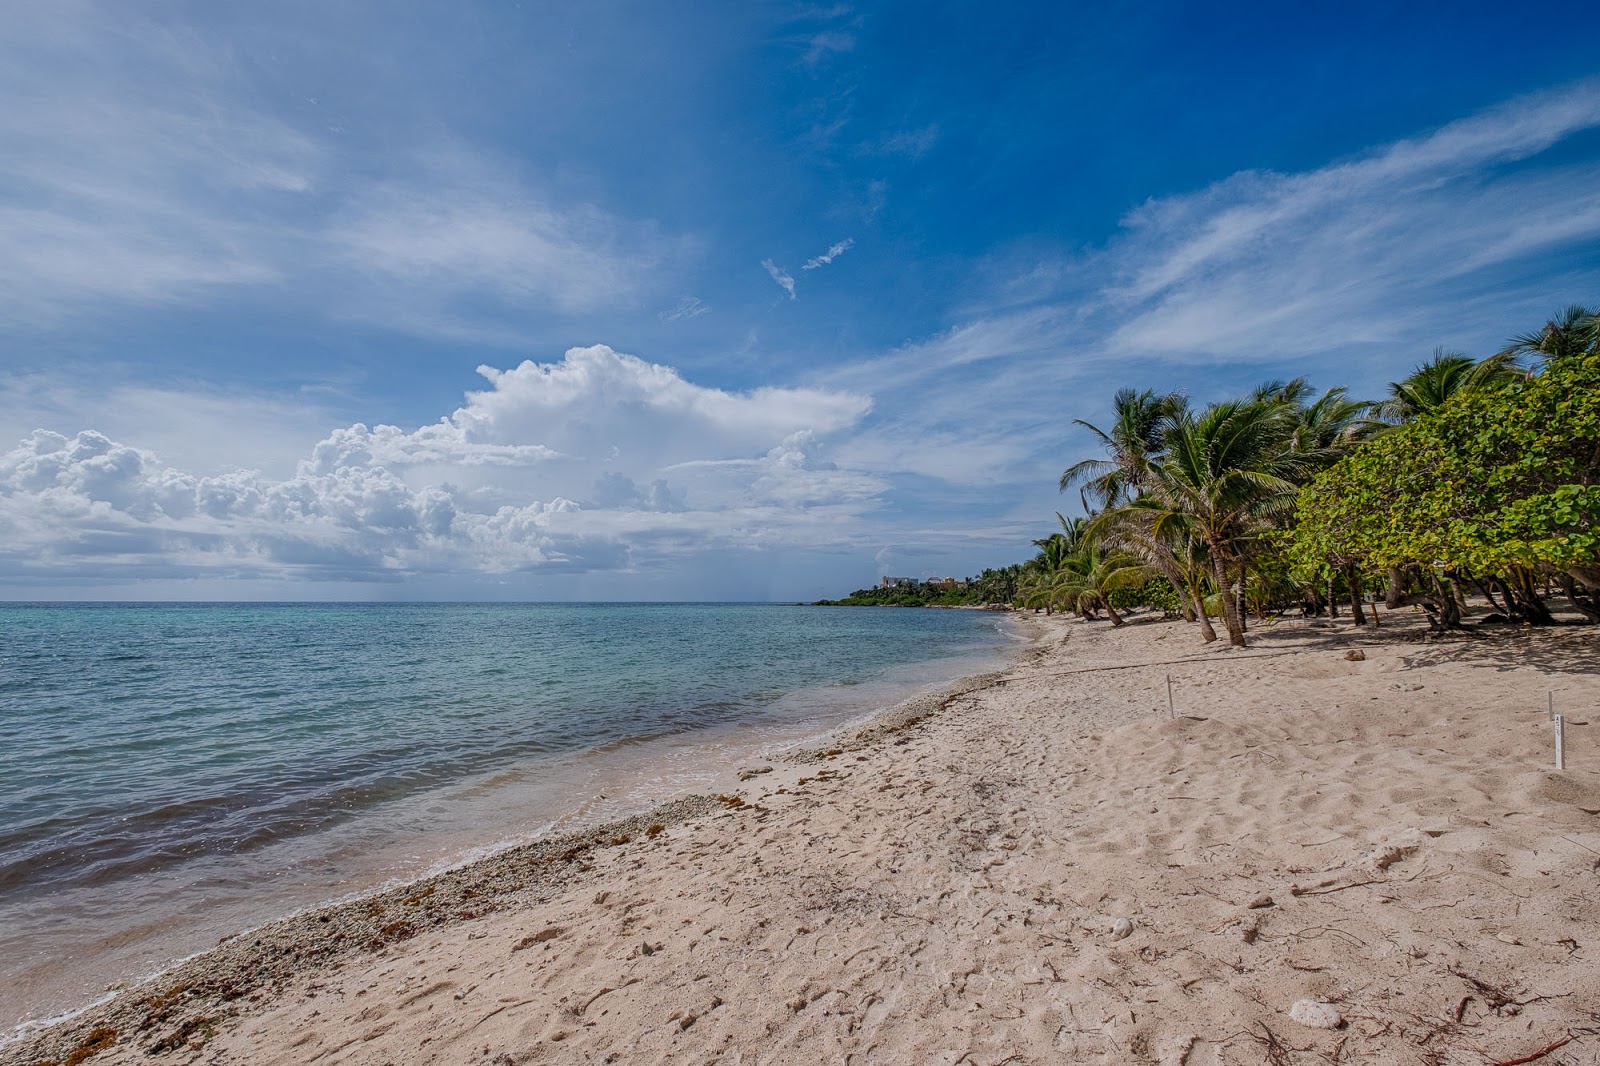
x,y
1207,633
1111,613
1230,605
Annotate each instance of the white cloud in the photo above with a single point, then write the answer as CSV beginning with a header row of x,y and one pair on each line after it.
x,y
474,235
688,307
778,274
596,462
827,44
202,429
138,166
912,142
834,251
1357,251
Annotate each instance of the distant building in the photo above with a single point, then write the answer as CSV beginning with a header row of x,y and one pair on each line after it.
x,y
942,582
896,582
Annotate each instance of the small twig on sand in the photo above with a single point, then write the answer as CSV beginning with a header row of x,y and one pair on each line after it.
x,y
1276,1051
1541,1053
1297,891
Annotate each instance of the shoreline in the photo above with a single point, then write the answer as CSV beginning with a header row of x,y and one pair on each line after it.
x,y
489,871
1045,864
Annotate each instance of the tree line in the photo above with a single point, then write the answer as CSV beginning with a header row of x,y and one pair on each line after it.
x,y
1471,474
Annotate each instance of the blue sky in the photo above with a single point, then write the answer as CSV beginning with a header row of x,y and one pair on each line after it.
x,y
723,301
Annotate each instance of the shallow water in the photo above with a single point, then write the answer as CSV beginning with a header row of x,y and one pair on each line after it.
x,y
171,773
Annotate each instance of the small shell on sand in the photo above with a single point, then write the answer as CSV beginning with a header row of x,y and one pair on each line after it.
x,y
1121,928
1316,1015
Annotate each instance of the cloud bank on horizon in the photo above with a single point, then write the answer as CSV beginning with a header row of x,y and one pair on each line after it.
x,y
239,310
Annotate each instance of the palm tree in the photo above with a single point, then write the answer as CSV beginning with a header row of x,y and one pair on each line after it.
x,y
1086,581
1226,473
1133,443
1332,424
1573,331
1440,378
1166,542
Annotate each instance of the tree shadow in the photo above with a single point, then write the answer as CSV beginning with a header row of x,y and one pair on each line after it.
x,y
1568,649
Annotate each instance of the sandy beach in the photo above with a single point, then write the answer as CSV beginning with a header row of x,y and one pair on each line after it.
x,y
1343,846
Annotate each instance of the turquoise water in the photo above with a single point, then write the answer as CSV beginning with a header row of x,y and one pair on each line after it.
x,y
166,768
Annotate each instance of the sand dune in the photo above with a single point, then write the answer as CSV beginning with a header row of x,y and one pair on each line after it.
x,y
1383,842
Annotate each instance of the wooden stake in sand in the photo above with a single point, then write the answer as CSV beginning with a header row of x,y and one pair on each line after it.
x,y
1550,705
1561,752
1171,712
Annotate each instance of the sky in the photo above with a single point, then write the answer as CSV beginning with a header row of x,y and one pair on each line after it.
x,y
716,301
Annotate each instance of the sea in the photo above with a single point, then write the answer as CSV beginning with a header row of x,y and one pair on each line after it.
x,y
172,774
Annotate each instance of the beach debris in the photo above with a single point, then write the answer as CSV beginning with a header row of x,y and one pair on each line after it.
x,y
91,1045
540,937
747,772
1396,850
1356,655
1315,1014
1121,929
1250,928
1259,902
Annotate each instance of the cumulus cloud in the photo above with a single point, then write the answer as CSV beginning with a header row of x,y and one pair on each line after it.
x,y
595,462
834,251
784,279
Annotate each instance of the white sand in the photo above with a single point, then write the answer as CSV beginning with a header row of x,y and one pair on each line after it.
x,y
946,892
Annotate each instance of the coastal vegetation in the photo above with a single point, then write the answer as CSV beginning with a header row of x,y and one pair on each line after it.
x,y
995,586
1471,475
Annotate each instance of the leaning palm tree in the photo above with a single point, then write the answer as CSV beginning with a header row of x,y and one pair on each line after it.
x,y
1132,443
1441,377
1165,541
1087,580
1227,473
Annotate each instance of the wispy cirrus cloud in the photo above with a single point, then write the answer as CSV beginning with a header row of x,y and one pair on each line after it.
x,y
139,167
826,44
1362,250
688,307
913,143
834,251
781,277
1349,272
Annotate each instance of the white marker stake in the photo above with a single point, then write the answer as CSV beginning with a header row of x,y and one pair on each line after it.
x,y
1170,710
1561,751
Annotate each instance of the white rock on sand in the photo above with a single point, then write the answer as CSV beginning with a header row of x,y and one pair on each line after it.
x,y
940,892
1315,1014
